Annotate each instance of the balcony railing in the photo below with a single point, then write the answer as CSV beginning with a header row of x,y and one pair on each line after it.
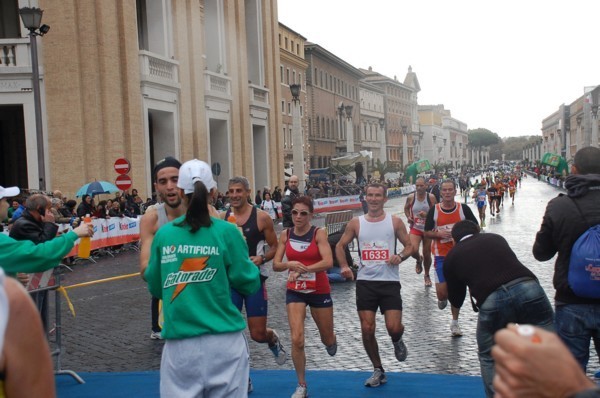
x,y
158,69
14,53
217,84
259,96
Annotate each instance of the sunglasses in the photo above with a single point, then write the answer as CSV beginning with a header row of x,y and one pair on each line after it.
x,y
303,213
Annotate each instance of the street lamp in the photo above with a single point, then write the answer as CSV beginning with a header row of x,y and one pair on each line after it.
x,y
404,144
349,129
297,138
32,18
383,140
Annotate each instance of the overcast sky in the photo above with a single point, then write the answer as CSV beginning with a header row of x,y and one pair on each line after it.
x,y
502,65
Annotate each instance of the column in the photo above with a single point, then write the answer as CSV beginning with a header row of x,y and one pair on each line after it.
x,y
298,146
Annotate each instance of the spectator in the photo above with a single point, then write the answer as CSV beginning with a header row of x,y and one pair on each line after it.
x,y
85,207
115,210
276,194
269,206
286,202
504,290
17,212
577,318
258,198
100,211
56,206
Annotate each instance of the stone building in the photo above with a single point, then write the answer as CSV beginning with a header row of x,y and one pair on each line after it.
x,y
333,89
292,70
142,79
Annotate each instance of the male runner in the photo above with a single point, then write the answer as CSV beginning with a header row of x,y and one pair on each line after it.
x,y
438,226
166,175
480,197
378,280
492,192
512,188
416,209
259,232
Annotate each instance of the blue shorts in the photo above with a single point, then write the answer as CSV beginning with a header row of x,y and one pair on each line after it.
x,y
311,299
256,304
480,205
438,264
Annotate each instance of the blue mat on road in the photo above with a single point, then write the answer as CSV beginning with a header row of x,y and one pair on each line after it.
x,y
281,383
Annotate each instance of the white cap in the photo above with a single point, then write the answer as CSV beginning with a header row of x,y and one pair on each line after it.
x,y
9,192
192,171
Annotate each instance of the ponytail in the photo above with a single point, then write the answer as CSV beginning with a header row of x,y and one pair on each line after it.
x,y
197,215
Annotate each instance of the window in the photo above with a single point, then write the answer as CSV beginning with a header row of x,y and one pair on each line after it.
x,y
287,76
298,49
300,82
10,22
282,106
281,72
301,111
286,43
294,76
280,40
289,108
292,45
284,139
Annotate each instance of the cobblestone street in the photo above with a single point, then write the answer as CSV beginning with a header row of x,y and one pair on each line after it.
x,y
112,325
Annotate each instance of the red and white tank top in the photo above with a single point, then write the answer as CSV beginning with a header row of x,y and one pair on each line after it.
x,y
305,250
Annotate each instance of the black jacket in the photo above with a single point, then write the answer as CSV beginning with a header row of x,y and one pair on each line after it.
x,y
286,208
561,227
27,228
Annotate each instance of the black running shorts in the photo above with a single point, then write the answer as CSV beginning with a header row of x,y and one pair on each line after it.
x,y
384,295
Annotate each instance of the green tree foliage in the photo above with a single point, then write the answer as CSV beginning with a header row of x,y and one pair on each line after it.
x,y
482,137
383,168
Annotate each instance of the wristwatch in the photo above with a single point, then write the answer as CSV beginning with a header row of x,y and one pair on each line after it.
x,y
264,259
402,258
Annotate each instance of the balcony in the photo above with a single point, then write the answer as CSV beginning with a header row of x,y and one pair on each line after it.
x,y
217,85
158,70
15,56
259,96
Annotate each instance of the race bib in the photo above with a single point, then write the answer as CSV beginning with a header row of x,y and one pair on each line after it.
x,y
447,227
304,283
419,221
374,253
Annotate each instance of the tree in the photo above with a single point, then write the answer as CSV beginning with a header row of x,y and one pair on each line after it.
x,y
481,137
383,168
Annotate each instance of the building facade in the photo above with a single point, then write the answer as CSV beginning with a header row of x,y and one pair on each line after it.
x,y
372,119
142,80
292,70
399,109
333,106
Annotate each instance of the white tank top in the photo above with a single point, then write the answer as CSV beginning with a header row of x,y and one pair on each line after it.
x,y
376,243
417,207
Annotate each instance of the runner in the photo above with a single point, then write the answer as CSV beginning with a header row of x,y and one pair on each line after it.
x,y
480,197
257,227
166,174
415,209
492,193
378,280
438,226
308,257
512,188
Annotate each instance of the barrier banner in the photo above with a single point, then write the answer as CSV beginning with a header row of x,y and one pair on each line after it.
x,y
110,232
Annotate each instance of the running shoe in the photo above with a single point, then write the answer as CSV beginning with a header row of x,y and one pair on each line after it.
x,y
442,304
155,336
455,329
301,392
250,387
277,350
331,349
483,224
400,350
378,378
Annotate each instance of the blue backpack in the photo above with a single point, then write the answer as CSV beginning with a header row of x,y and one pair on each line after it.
x,y
584,264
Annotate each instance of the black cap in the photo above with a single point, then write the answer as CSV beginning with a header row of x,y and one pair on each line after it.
x,y
169,161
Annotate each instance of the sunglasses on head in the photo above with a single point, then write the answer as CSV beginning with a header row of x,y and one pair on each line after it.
x,y
303,213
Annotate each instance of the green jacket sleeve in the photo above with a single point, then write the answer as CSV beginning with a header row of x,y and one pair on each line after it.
x,y
25,256
243,274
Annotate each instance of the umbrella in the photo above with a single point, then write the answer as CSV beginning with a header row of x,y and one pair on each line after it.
x,y
96,188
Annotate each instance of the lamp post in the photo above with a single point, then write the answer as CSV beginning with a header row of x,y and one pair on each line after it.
x,y
404,145
349,129
32,18
383,150
297,138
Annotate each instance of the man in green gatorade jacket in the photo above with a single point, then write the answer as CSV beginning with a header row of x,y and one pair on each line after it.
x,y
194,261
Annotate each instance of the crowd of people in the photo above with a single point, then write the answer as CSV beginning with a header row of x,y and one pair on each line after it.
x,y
191,253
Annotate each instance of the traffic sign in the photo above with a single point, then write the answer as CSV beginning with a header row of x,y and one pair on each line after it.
x,y
123,182
122,166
